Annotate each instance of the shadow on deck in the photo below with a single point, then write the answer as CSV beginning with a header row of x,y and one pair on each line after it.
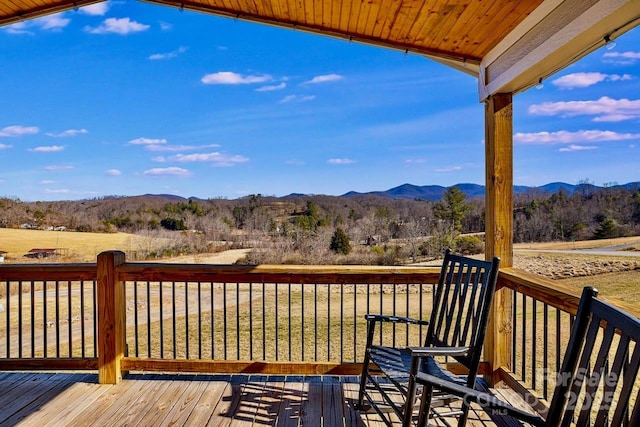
x,y
76,399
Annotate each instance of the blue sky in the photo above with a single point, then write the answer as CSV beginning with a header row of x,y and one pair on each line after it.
x,y
127,98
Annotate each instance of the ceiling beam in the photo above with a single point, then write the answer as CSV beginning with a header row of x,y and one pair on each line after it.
x,y
554,36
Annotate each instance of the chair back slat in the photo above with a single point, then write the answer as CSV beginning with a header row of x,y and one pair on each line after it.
x,y
461,303
599,374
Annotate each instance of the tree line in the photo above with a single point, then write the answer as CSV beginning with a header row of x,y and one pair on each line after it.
x,y
337,229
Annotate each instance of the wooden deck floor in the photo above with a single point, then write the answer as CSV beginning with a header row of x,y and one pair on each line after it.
x,y
76,399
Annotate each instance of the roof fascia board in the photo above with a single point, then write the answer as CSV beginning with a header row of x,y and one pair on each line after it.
x,y
555,35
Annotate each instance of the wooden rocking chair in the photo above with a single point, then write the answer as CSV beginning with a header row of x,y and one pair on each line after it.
x,y
461,303
598,381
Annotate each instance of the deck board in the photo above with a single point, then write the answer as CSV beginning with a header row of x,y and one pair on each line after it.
x,y
76,399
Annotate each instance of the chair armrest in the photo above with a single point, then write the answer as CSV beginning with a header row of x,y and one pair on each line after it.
x,y
438,351
394,319
486,400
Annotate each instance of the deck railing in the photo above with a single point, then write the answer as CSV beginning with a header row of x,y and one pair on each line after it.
x,y
542,317
114,316
205,318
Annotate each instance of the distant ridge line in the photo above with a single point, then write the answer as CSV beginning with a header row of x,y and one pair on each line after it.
x,y
435,192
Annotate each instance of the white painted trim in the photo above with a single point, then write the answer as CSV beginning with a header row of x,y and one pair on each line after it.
x,y
569,43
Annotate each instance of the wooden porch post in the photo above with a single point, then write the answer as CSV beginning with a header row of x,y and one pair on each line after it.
x,y
499,221
111,318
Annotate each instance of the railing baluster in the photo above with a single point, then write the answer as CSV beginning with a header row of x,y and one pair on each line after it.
x,y
534,328
148,304
213,323
136,323
238,321
251,320
70,315
264,322
32,292
20,319
186,318
224,319
82,330
407,315
328,322
302,330
277,316
341,322
355,324
315,320
545,353
173,319
161,322
199,320
289,322
94,297
524,338
57,319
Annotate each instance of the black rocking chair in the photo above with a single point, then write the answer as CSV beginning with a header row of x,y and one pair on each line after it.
x,y
598,382
458,322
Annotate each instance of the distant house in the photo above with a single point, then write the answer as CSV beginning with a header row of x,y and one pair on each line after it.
x,y
2,255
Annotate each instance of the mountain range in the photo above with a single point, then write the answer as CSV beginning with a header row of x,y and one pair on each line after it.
x,y
435,192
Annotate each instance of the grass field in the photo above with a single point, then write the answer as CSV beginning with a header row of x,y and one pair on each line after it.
x,y
78,247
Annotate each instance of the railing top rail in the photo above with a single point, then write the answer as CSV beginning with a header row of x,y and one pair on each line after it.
x,y
47,272
558,295
133,271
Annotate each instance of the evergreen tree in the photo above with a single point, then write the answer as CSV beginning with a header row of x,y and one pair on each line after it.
x,y
453,207
340,242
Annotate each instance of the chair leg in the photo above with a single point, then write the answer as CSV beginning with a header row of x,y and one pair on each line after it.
x,y
365,366
425,406
363,381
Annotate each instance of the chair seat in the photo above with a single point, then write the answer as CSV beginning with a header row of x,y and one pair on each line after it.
x,y
395,363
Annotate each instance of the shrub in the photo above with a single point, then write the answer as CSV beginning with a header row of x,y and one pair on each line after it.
x,y
469,245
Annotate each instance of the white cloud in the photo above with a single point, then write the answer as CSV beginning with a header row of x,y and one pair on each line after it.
x,y
168,55
58,168
297,98
272,87
13,131
4,146
574,147
170,171
54,22
324,79
165,26
566,137
605,109
414,161
176,148
48,149
57,191
449,169
47,182
67,133
218,159
120,26
343,161
580,80
17,28
113,172
148,141
623,58
97,9
230,78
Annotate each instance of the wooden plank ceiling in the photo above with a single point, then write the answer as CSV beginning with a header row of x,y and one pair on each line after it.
x,y
465,30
